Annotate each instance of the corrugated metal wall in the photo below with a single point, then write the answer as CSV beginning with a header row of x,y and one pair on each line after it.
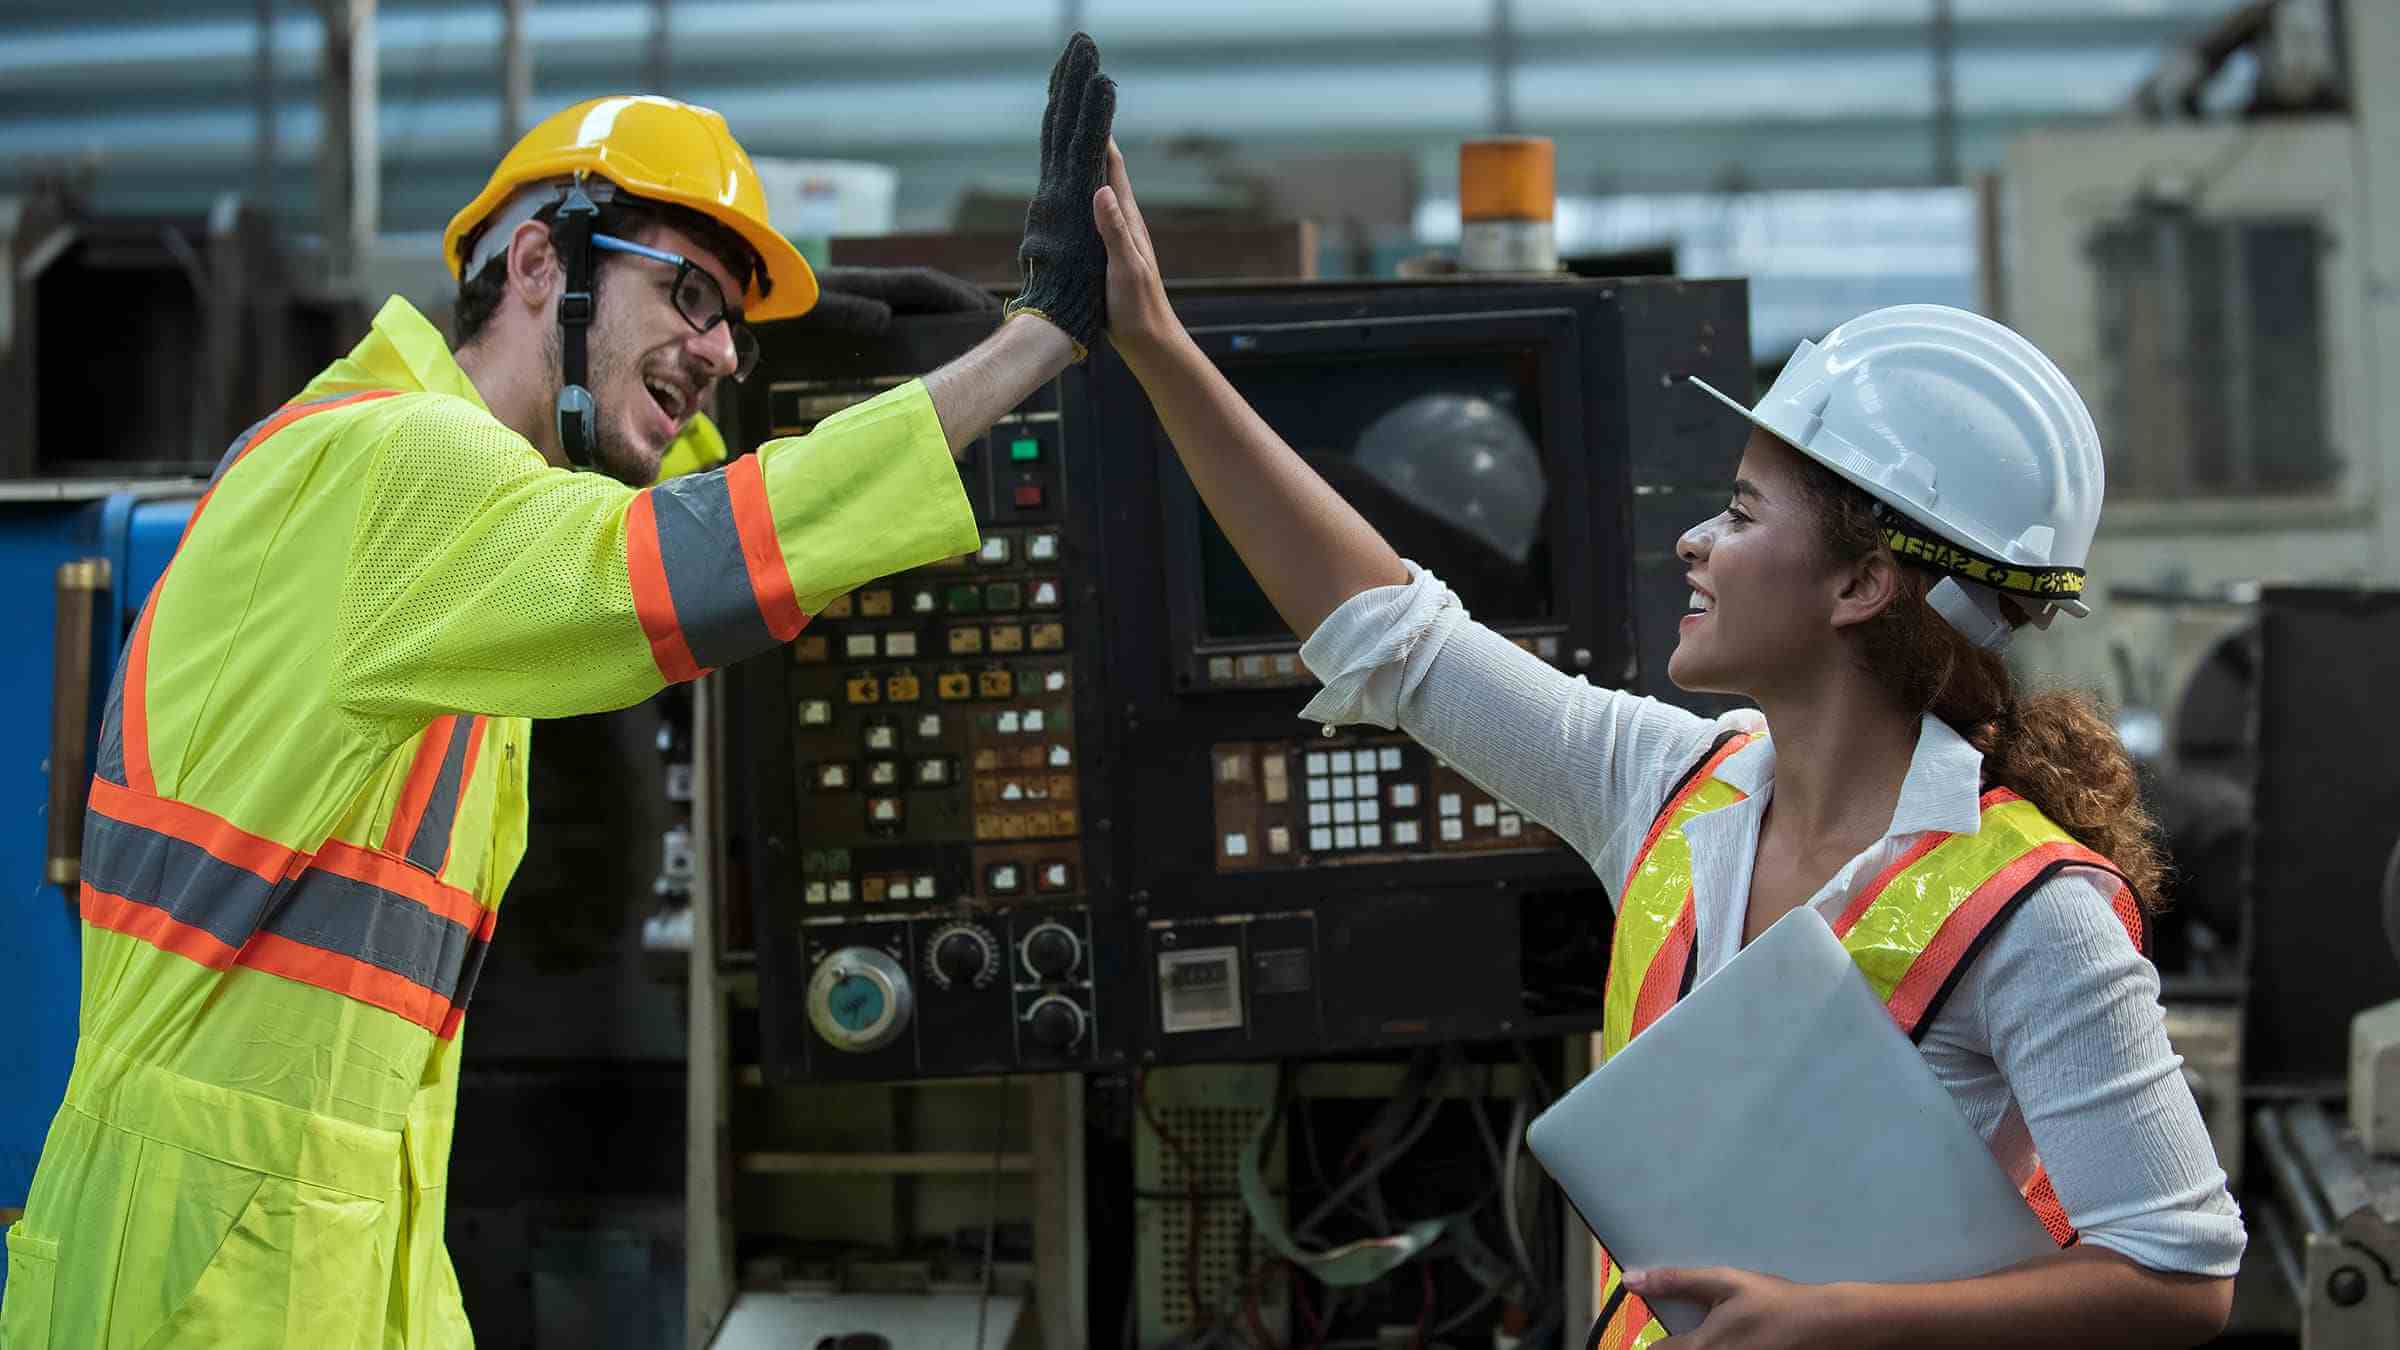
x,y
163,103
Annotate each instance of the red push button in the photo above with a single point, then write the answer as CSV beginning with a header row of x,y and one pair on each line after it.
x,y
1029,496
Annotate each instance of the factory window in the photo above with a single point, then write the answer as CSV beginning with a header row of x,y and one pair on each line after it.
x,y
2211,331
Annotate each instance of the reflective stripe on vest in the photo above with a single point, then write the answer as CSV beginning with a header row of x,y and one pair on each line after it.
x,y
378,927
1913,931
359,923
683,540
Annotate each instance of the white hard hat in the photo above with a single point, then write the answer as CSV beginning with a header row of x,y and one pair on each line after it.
x,y
1983,453
1466,462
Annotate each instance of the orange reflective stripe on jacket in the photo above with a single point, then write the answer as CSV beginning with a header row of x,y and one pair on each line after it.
x,y
1914,931
683,540
363,924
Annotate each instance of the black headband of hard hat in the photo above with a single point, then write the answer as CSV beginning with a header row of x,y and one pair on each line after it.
x,y
1919,547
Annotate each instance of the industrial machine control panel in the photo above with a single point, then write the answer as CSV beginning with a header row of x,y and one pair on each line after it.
x,y
1049,805
923,892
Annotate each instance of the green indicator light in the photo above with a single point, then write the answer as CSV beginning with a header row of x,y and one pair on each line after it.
x,y
1024,448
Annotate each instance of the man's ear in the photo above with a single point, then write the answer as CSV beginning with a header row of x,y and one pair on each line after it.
x,y
534,270
1868,587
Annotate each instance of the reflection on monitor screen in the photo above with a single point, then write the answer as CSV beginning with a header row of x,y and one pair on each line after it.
x,y
1441,451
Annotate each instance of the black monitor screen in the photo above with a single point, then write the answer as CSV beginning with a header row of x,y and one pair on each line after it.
x,y
1439,450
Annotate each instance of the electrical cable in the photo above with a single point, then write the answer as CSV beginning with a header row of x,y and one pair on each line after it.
x,y
991,1213
1508,1192
1374,1165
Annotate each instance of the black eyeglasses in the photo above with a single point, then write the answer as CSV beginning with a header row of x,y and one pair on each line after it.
x,y
698,298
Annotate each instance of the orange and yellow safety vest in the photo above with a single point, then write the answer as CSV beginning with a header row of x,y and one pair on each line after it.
x,y
310,796
1913,931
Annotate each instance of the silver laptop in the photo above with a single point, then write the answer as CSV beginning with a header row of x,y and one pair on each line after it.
x,y
1777,1120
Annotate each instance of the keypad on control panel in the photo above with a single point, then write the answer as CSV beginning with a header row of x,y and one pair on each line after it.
x,y
1298,803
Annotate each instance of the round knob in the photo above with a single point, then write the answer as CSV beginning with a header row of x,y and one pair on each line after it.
x,y
1052,951
960,954
2347,1287
859,999
1054,1022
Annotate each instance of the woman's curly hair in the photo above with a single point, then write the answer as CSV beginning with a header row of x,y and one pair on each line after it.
x,y
2053,747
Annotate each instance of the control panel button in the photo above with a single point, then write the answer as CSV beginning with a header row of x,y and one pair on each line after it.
x,y
882,735
934,773
833,778
1033,720
922,602
1049,637
863,689
1054,878
883,773
965,599
966,641
952,685
1024,450
1404,794
815,891
1027,496
1003,596
1045,595
875,604
1005,878
1041,547
859,646
995,684
929,726
995,550
1008,637
810,649
900,644
1279,840
839,607
901,688
815,712
885,814
839,891
1407,832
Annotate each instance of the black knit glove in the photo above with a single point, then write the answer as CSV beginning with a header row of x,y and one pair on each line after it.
x,y
862,300
1065,264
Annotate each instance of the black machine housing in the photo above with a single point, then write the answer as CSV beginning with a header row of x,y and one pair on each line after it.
x,y
1222,914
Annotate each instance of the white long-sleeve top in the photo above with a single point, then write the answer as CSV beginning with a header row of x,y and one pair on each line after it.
x,y
2053,1044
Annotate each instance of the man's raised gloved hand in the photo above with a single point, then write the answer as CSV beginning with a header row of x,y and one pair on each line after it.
x,y
862,300
1065,266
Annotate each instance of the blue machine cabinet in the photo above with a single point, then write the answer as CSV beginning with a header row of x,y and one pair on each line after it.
x,y
43,526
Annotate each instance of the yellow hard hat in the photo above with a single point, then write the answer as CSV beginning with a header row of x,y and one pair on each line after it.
x,y
664,150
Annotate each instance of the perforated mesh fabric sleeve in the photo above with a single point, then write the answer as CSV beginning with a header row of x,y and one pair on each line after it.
x,y
482,580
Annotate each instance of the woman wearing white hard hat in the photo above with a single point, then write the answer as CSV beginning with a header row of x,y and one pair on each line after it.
x,y
1916,490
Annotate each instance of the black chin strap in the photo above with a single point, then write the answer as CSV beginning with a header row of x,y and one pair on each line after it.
x,y
571,236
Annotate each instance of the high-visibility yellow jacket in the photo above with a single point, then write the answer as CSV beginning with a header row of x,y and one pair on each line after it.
x,y
1912,932
311,794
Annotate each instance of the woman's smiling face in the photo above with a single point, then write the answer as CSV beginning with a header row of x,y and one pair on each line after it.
x,y
1763,587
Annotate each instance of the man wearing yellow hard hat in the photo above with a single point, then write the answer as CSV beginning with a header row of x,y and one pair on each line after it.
x,y
310,788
